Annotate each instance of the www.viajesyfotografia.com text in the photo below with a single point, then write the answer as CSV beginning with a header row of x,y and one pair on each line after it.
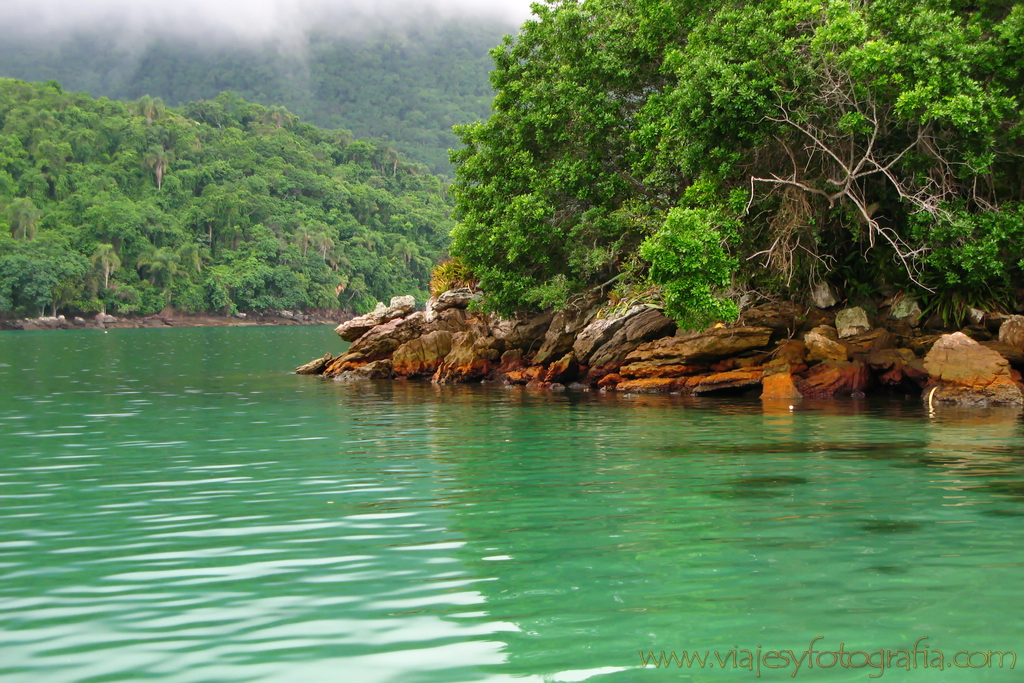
x,y
920,656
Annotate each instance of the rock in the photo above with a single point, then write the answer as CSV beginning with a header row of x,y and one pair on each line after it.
x,y
422,355
898,368
906,309
834,378
599,332
522,333
725,381
564,370
693,348
967,373
561,334
104,319
822,295
472,357
779,386
975,315
455,298
378,343
647,386
791,351
1014,354
609,381
783,318
353,329
647,325
400,307
822,344
1012,331
314,367
862,345
378,369
852,321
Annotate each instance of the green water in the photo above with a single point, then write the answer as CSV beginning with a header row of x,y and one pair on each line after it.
x,y
175,506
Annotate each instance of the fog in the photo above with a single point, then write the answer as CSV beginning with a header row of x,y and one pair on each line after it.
x,y
285,20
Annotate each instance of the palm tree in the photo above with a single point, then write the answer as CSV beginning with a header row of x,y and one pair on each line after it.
x,y
159,159
193,255
160,264
150,107
23,217
105,259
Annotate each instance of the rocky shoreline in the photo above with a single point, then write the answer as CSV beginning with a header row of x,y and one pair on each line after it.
x,y
168,319
781,352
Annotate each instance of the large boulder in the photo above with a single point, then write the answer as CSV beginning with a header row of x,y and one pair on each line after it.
x,y
353,329
473,356
965,372
638,328
599,332
693,348
564,370
561,334
524,333
378,343
423,355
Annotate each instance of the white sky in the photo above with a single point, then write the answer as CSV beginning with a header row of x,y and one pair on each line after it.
x,y
236,18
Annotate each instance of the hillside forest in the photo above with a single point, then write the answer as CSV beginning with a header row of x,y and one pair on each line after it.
x,y
221,205
406,81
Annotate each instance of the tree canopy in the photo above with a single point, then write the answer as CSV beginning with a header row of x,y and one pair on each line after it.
x,y
219,206
749,149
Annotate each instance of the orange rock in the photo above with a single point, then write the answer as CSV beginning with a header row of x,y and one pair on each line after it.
x,y
655,385
563,370
779,386
719,381
609,381
422,356
648,370
834,378
966,372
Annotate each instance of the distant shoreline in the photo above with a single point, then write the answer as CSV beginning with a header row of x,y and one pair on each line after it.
x,y
174,319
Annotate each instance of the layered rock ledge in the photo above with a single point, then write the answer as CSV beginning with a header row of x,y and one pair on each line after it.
x,y
780,353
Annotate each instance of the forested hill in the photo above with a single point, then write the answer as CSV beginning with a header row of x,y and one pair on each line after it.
x,y
221,205
408,86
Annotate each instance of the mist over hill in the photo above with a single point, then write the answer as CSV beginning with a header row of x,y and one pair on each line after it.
x,y
406,81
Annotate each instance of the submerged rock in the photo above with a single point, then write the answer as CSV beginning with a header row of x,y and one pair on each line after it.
x,y
965,372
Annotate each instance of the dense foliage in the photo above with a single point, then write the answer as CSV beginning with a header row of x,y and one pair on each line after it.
x,y
407,86
749,148
220,206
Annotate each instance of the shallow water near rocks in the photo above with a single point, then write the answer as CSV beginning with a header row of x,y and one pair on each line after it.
x,y
175,506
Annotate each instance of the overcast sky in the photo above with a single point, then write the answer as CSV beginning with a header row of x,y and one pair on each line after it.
x,y
236,18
